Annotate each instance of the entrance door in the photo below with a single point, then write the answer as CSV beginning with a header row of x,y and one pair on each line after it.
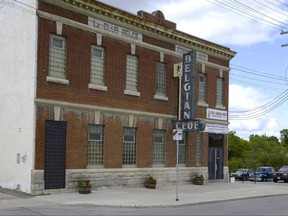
x,y
55,155
215,163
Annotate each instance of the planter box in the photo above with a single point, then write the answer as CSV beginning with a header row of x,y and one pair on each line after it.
x,y
150,185
198,182
84,190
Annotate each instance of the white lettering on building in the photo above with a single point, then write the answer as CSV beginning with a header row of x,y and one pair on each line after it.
x,y
114,29
199,55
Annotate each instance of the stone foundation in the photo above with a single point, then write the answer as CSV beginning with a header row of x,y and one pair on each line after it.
x,y
117,178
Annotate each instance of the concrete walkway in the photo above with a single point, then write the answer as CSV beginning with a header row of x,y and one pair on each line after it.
x,y
162,196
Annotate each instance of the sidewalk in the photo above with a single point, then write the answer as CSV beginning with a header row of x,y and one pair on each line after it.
x,y
165,196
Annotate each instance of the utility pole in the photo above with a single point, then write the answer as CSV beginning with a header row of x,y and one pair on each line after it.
x,y
284,32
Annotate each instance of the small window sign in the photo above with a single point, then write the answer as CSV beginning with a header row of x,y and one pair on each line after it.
x,y
177,134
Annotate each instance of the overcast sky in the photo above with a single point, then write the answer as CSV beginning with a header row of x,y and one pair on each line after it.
x,y
258,71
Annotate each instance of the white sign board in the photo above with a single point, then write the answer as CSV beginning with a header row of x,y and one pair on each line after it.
x,y
216,114
177,72
177,134
215,128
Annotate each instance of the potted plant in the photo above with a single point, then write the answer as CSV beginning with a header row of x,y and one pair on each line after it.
x,y
84,186
150,182
198,179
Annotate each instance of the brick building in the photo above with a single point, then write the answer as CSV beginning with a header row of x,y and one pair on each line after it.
x,y
104,97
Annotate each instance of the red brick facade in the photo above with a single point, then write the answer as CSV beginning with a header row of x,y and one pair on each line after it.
x,y
78,103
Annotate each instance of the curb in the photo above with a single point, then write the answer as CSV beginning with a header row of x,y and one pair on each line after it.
x,y
16,193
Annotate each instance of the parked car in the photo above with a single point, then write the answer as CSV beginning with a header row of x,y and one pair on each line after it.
x,y
242,174
265,173
281,174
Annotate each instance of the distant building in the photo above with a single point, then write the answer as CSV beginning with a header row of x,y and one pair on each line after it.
x,y
88,91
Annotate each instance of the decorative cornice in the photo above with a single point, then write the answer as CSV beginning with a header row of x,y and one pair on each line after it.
x,y
114,15
48,102
128,40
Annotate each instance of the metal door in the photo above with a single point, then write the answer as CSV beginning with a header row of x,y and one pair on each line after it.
x,y
215,163
55,155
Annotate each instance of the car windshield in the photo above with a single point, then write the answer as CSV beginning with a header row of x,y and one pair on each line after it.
x,y
261,170
283,169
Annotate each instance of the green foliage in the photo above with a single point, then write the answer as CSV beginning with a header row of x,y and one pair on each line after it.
x,y
234,164
258,151
284,137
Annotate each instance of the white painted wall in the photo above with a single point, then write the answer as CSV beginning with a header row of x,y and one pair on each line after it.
x,y
18,59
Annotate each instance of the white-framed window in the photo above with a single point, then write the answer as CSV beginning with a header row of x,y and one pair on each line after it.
x,y
182,150
199,141
95,145
97,65
202,87
160,79
57,57
219,97
132,73
159,147
129,146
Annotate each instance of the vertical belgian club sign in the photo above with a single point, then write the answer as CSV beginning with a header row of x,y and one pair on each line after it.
x,y
189,85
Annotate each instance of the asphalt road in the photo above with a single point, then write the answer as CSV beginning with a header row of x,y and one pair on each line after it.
x,y
273,205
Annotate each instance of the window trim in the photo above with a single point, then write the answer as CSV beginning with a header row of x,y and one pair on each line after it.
x,y
102,140
52,50
59,38
161,81
132,93
164,145
202,86
218,105
57,80
132,59
92,85
134,142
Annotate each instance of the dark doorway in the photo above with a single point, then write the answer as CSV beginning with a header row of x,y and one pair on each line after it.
x,y
215,156
55,155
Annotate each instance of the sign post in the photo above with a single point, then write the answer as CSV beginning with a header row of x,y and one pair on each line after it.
x,y
177,142
186,103
177,172
177,133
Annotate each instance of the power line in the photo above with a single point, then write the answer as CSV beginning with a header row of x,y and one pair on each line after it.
x,y
258,12
282,3
249,12
262,110
251,74
25,4
241,13
275,5
257,85
283,94
256,72
19,7
260,113
267,81
269,9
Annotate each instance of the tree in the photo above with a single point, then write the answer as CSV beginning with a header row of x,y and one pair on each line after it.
x,y
260,150
237,151
284,137
267,151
